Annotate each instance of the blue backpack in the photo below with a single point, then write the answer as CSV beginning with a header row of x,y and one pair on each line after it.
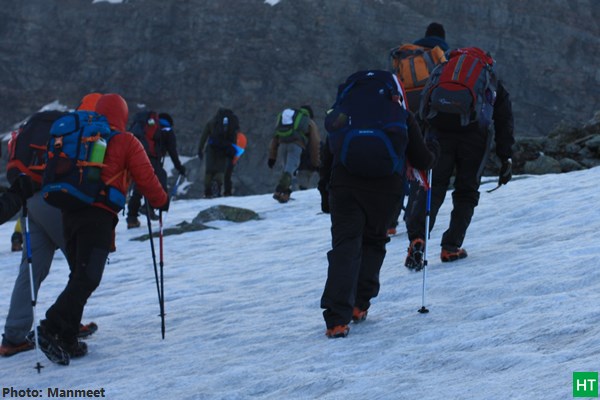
x,y
74,162
367,125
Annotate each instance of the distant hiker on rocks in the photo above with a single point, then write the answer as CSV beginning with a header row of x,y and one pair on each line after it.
x,y
371,136
88,229
462,98
292,133
156,132
310,159
45,228
217,141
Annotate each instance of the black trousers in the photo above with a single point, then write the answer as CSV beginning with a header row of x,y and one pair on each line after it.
x,y
359,223
461,156
135,201
88,236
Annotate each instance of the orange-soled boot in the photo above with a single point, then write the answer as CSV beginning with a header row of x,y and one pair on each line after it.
x,y
414,258
449,255
338,331
359,315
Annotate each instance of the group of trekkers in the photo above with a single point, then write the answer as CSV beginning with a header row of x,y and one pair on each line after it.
x,y
390,135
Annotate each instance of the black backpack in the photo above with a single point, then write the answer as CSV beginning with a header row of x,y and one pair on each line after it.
x,y
27,146
367,125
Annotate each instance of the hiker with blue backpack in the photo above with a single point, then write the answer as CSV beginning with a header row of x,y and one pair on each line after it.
x,y
44,224
91,162
461,100
371,136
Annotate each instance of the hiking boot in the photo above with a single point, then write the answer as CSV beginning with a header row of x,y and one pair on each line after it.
x,y
87,330
75,349
282,197
50,344
133,223
8,349
16,241
453,255
414,259
359,315
338,331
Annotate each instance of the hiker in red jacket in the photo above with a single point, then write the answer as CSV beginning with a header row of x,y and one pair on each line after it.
x,y
88,231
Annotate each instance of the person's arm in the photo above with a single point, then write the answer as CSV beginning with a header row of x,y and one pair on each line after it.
x,y
503,123
422,153
12,200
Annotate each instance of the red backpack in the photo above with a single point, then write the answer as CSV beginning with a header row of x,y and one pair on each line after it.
x,y
461,92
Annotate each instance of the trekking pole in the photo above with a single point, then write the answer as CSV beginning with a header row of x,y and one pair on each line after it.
x,y
38,365
160,300
175,187
162,282
423,309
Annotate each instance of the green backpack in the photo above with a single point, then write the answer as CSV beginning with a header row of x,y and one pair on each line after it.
x,y
292,124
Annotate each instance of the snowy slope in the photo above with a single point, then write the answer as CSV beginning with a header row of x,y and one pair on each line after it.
x,y
512,321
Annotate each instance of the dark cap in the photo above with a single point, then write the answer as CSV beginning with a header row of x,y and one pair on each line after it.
x,y
436,29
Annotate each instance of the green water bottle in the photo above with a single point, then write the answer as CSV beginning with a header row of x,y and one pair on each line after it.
x,y
96,156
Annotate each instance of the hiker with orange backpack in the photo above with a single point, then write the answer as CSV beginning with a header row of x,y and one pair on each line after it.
x,y
45,227
413,63
462,98
88,227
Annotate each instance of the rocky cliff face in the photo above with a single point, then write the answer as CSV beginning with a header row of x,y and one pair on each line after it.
x,y
190,57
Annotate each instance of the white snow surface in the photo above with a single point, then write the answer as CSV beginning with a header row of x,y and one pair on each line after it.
x,y
514,320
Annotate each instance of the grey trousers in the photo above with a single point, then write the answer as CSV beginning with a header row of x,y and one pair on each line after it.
x,y
46,235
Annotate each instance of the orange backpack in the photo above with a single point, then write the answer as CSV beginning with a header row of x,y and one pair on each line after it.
x,y
413,64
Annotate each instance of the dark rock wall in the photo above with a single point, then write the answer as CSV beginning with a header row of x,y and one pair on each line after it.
x,y
190,57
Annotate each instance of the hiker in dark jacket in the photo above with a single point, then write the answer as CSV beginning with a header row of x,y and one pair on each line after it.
x,y
462,154
218,148
88,232
435,35
165,142
361,209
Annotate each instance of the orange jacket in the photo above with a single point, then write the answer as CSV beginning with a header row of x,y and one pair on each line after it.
x,y
125,156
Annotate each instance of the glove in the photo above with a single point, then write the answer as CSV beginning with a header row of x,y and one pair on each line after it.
x,y
271,162
324,201
181,170
505,172
165,207
23,187
200,155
